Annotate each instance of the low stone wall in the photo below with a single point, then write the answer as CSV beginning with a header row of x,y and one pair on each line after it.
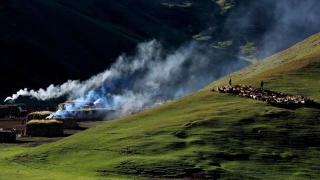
x,y
45,129
7,136
269,97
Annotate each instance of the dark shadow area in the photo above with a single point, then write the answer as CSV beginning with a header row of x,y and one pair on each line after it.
x,y
77,128
314,105
298,106
22,142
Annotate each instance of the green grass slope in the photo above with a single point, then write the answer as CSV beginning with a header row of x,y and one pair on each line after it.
x,y
203,135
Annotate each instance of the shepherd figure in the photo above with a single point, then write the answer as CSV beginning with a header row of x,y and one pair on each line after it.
x,y
230,82
261,84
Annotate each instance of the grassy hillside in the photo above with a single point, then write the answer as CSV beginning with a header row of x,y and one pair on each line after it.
x,y
205,134
293,70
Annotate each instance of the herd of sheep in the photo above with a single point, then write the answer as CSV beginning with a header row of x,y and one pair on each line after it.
x,y
269,97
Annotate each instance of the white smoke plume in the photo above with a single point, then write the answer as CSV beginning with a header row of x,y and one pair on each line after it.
x,y
147,52
152,70
132,81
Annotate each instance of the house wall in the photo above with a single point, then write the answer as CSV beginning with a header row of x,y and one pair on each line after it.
x,y
7,137
45,130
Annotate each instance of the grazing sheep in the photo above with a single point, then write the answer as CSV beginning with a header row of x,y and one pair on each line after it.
x,y
269,97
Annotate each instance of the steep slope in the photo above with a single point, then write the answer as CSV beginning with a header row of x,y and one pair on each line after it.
x,y
206,134
293,70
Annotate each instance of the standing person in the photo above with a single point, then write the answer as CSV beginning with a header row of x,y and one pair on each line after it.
x,y
261,84
230,82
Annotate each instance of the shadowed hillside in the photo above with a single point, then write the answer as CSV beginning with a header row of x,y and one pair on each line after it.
x,y
205,135
44,42
49,42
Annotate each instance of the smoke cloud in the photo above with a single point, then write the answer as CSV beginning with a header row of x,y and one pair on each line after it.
x,y
132,81
273,25
294,21
153,72
122,67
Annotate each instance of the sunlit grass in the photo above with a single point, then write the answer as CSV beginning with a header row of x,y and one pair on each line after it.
x,y
205,133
